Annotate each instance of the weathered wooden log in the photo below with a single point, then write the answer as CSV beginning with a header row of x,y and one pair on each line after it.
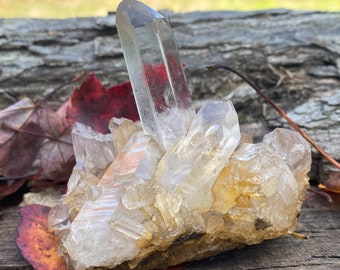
x,y
319,220
293,56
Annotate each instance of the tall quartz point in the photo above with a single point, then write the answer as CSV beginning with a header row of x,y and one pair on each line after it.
x,y
155,70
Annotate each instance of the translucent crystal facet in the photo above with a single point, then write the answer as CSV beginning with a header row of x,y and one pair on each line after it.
x,y
194,163
294,150
93,150
104,221
155,71
257,183
202,197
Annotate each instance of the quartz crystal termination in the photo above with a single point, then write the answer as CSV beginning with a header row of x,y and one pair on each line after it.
x,y
155,70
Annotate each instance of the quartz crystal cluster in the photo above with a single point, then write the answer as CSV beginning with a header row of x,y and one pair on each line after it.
x,y
177,185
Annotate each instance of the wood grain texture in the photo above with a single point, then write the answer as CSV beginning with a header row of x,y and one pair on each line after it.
x,y
10,257
319,220
294,56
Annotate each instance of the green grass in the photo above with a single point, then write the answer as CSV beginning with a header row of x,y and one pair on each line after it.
x,y
80,8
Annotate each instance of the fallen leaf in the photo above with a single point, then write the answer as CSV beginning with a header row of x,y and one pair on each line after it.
x,y
19,144
35,143
36,241
56,154
332,184
22,150
15,115
94,105
18,149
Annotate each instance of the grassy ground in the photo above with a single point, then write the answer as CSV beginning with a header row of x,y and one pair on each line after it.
x,y
76,8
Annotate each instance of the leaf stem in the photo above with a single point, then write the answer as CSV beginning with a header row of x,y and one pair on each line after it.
x,y
279,110
299,236
322,193
41,135
8,178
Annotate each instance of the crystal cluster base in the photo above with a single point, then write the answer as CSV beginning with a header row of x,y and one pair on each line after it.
x,y
210,193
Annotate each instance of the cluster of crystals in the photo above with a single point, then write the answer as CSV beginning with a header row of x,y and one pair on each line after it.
x,y
150,208
177,186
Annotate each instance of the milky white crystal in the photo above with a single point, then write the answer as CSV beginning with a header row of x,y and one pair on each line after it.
x,y
93,152
104,230
295,151
191,167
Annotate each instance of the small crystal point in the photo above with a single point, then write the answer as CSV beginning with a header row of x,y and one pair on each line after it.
x,y
155,70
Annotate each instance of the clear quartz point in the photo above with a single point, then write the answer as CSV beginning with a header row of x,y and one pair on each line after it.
x,y
155,70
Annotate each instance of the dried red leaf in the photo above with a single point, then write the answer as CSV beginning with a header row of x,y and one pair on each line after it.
x,y
29,131
56,154
36,241
23,151
15,115
18,150
332,184
94,105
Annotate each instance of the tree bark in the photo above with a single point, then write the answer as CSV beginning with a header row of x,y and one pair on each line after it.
x,y
293,56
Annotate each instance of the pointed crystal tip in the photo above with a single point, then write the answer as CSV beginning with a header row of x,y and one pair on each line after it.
x,y
137,13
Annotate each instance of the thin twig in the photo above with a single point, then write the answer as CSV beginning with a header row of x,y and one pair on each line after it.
x,y
7,178
280,111
321,193
299,236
